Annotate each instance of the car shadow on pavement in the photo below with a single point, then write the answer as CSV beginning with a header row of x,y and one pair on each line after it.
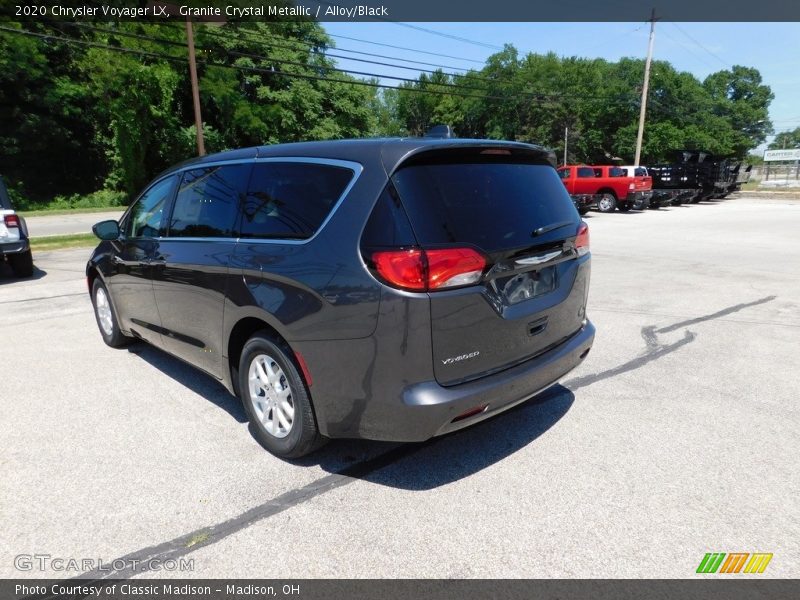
x,y
448,458
200,383
7,275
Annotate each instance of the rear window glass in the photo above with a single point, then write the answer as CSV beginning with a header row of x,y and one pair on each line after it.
x,y
495,206
640,172
292,199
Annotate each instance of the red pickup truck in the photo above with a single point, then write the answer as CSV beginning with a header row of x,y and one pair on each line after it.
x,y
609,186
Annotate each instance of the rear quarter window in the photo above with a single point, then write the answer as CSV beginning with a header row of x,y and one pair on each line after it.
x,y
494,206
291,199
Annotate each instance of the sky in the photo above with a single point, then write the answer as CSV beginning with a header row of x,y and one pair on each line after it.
x,y
699,48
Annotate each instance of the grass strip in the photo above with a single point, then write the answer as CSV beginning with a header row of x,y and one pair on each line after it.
x,y
58,242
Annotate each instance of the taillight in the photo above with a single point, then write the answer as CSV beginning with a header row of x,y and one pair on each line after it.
x,y
429,270
454,266
631,186
402,268
582,239
11,221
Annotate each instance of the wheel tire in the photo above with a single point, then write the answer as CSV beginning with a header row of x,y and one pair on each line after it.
x,y
105,317
583,210
21,263
624,207
267,401
607,203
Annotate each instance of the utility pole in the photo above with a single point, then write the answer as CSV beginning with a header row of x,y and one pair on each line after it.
x,y
198,120
566,138
646,85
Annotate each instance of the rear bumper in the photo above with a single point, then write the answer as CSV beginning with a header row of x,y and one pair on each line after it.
x,y
429,409
663,197
14,247
638,200
585,201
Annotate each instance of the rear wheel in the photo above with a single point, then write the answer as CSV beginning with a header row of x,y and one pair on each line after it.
x,y
21,263
104,315
276,399
607,203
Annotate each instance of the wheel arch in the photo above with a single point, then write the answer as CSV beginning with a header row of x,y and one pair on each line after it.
x,y
607,190
242,331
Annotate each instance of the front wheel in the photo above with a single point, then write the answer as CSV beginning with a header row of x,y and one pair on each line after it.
x,y
21,263
104,315
583,210
607,203
276,399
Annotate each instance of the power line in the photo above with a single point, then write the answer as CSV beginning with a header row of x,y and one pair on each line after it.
x,y
360,82
701,45
258,37
688,49
448,35
255,37
352,39
274,60
532,96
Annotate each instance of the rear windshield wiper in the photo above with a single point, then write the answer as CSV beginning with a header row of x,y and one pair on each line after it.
x,y
554,226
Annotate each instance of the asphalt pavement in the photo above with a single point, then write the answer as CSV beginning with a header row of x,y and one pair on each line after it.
x,y
40,226
678,436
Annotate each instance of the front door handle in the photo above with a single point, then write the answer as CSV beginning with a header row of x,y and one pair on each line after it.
x,y
128,263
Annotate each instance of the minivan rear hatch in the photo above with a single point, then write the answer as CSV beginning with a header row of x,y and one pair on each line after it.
x,y
512,208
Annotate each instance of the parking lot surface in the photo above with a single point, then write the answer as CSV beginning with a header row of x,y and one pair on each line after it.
x,y
678,436
44,225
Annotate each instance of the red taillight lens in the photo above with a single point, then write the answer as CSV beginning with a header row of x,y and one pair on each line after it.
x,y
424,270
582,239
402,268
450,267
11,221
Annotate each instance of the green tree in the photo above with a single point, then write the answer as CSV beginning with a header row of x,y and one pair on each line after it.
x,y
786,139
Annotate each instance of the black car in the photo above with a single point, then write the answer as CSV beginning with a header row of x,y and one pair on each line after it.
x,y
384,289
14,243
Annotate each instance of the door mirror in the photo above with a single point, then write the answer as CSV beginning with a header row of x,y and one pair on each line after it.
x,y
106,230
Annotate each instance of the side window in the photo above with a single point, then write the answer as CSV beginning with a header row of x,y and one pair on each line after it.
x,y
585,172
144,219
208,200
564,173
388,225
291,199
617,172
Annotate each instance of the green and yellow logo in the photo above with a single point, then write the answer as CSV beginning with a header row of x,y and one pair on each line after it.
x,y
736,562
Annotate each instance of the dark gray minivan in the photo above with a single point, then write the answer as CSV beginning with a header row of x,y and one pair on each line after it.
x,y
390,289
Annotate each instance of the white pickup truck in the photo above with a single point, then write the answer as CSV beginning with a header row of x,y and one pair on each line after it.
x,y
14,244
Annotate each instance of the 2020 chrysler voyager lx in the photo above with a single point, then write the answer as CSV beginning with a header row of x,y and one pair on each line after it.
x,y
383,289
